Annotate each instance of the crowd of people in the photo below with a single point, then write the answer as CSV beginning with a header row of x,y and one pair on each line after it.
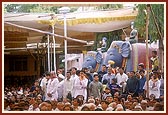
x,y
110,89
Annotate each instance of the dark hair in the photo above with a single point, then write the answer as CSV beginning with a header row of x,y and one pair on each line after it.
x,y
121,68
142,65
71,109
106,102
104,65
73,68
85,107
79,99
155,52
115,80
84,68
82,71
156,72
143,71
77,72
136,99
105,81
98,109
49,102
96,75
133,72
47,73
87,74
68,72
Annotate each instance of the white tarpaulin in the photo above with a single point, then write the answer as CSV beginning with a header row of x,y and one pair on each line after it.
x,y
93,21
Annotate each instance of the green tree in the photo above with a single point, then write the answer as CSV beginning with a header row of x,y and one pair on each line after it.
x,y
109,6
156,25
140,21
33,8
11,7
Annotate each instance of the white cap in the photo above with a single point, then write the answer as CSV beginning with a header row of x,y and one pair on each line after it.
x,y
95,73
61,76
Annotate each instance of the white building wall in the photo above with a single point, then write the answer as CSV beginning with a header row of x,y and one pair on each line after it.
x,y
74,60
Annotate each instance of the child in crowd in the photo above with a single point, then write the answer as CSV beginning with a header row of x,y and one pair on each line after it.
x,y
105,84
106,93
114,87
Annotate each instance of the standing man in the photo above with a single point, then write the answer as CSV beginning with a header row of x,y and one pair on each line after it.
x,y
52,93
102,72
141,67
154,85
68,86
73,73
154,61
44,83
60,87
95,87
142,83
80,85
74,76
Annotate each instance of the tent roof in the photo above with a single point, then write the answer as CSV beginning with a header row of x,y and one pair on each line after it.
x,y
80,25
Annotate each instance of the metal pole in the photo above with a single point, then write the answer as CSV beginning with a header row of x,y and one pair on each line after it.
x,y
51,56
48,33
54,50
48,38
147,51
65,42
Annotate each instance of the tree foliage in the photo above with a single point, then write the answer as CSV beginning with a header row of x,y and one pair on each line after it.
x,y
109,6
140,21
111,36
33,8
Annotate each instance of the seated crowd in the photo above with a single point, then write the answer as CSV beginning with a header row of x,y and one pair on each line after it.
x,y
83,90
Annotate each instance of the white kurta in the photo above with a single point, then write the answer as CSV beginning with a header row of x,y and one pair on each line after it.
x,y
52,88
67,87
121,78
154,88
43,86
60,89
80,87
73,77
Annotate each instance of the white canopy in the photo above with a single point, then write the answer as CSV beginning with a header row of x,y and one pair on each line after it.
x,y
80,25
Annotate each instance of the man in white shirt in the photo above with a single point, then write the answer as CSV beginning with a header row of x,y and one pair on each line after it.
x,y
52,93
109,76
60,87
154,85
122,79
44,83
73,73
80,86
67,85
73,77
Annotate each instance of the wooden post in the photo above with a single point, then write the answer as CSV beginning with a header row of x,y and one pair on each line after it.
x,y
147,51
